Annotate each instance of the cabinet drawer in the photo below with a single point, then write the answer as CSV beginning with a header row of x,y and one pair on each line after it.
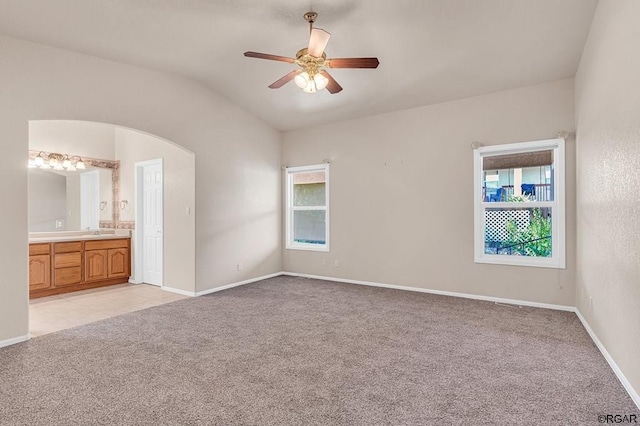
x,y
67,276
67,247
106,244
65,260
39,249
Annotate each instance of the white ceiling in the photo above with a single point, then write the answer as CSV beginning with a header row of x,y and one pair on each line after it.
x,y
430,51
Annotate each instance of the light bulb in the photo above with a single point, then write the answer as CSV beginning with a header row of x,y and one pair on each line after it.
x,y
321,81
66,163
38,161
301,80
80,165
54,163
71,168
310,88
31,164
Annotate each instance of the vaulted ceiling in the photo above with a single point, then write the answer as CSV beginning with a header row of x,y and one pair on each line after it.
x,y
430,51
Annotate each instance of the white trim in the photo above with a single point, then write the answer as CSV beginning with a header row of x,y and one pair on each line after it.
x,y
439,292
177,291
224,287
14,340
228,286
289,208
558,225
619,374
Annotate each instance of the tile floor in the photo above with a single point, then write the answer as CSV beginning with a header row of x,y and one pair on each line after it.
x,y
54,313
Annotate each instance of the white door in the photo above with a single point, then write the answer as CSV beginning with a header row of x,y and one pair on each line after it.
x,y
152,223
89,201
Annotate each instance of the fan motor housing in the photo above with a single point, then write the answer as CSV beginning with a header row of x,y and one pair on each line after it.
x,y
309,63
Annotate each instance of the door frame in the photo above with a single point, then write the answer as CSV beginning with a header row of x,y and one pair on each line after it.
x,y
138,257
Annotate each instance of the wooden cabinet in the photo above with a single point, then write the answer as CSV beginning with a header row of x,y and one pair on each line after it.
x,y
61,267
95,263
118,262
107,259
67,263
39,266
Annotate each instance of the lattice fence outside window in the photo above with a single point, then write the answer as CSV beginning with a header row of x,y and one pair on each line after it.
x,y
496,223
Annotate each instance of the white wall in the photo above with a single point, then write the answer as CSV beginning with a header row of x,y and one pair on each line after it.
x,y
402,193
608,178
179,194
237,159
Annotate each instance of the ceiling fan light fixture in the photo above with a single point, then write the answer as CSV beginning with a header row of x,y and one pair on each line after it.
x,y
320,81
309,84
302,80
311,76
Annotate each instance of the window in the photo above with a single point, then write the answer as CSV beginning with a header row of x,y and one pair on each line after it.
x,y
519,204
307,195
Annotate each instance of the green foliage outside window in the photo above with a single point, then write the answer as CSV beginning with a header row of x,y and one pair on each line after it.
x,y
535,240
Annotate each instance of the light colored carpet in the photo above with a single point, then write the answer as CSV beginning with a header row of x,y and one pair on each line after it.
x,y
296,351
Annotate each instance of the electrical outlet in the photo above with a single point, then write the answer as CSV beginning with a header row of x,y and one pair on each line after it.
x,y
336,263
239,266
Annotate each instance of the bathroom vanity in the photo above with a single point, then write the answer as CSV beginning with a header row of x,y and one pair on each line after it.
x,y
61,262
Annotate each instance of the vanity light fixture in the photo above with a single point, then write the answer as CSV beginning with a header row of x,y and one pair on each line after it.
x,y
53,160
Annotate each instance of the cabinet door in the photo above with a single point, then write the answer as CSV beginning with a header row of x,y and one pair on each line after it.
x,y
95,265
39,272
118,262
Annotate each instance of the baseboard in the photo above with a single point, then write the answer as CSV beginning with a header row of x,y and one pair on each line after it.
x,y
228,286
440,292
14,340
623,379
178,291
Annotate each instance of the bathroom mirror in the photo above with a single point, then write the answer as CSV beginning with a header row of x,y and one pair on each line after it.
x,y
64,200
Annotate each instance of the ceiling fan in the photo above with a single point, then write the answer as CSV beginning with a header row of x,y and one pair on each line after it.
x,y
312,60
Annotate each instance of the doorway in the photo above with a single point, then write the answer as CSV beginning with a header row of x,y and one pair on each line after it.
x,y
149,222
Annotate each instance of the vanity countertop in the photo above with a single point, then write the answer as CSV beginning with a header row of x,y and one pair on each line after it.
x,y
52,237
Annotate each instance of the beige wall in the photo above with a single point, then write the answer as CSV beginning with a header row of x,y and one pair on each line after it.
x,y
402,193
237,159
179,194
608,178
82,138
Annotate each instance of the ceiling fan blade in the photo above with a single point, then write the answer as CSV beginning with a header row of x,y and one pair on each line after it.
x,y
332,86
317,42
352,63
284,80
268,56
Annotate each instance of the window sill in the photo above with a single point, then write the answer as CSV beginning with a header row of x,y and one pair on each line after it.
x,y
522,261
308,247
